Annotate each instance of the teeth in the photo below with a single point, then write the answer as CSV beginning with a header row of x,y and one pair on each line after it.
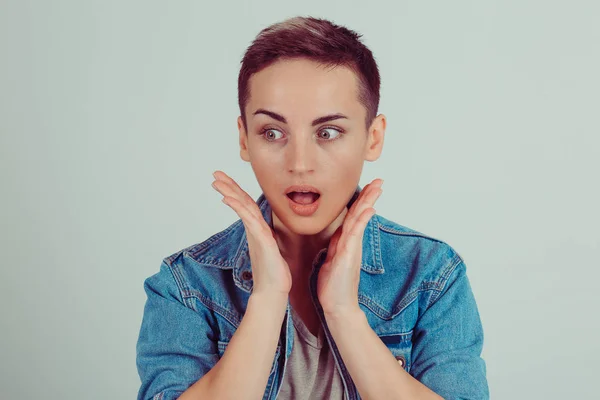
x,y
307,191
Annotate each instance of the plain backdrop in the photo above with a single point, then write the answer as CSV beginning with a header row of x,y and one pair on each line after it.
x,y
114,114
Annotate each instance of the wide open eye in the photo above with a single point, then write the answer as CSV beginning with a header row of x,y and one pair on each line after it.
x,y
270,137
332,132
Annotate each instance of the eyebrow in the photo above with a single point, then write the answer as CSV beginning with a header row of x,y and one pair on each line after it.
x,y
317,121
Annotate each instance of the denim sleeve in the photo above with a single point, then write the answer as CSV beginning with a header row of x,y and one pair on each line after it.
x,y
175,346
448,340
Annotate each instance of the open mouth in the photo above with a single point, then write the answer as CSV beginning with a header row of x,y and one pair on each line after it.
x,y
303,197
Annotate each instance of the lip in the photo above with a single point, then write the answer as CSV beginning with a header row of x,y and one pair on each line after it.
x,y
302,188
304,210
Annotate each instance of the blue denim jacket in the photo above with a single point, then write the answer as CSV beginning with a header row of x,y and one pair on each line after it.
x,y
413,290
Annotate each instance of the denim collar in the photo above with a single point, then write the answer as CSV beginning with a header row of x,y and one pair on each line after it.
x,y
240,258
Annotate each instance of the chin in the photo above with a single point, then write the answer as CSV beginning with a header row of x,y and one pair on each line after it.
x,y
304,225
307,228
313,225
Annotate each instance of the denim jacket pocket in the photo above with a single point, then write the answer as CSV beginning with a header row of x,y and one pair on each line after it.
x,y
400,344
222,345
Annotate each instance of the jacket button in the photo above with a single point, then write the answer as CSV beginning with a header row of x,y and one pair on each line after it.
x,y
246,275
400,360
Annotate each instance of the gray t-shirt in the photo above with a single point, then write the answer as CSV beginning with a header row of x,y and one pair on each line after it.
x,y
310,371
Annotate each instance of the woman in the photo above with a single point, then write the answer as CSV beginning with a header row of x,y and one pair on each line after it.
x,y
310,294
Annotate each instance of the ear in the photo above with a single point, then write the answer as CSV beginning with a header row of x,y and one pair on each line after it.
x,y
244,153
375,136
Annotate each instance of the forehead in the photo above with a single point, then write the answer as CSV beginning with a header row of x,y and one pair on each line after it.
x,y
303,88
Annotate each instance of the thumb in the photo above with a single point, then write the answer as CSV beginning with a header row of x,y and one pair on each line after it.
x,y
333,244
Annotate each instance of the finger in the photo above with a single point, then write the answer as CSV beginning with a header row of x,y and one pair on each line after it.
x,y
229,187
352,239
247,210
249,220
225,189
365,191
332,249
356,223
366,199
355,235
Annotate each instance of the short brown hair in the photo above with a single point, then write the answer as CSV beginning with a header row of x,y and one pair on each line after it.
x,y
319,40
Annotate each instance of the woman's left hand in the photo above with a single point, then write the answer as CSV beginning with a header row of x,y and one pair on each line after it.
x,y
337,285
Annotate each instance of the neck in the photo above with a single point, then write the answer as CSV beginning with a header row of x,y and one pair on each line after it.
x,y
299,250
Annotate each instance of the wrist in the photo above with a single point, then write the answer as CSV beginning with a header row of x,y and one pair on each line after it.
x,y
344,315
270,299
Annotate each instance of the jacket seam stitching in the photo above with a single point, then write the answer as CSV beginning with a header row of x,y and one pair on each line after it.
x,y
187,294
407,300
443,280
214,307
388,229
196,250
179,281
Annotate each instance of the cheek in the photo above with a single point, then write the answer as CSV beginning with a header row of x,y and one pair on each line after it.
x,y
261,169
346,163
262,152
346,176
266,170
262,156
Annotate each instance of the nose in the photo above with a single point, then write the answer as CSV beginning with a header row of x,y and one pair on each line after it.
x,y
301,154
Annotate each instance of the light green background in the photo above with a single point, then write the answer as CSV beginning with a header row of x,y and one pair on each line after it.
x,y
113,115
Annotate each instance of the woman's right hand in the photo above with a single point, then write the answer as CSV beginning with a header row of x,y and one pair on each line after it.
x,y
270,272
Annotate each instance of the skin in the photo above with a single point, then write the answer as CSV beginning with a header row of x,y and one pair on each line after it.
x,y
296,152
300,91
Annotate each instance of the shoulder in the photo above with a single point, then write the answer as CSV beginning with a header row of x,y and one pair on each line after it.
x,y
413,256
202,268
217,250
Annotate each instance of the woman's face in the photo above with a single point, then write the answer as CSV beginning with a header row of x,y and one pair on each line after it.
x,y
285,145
